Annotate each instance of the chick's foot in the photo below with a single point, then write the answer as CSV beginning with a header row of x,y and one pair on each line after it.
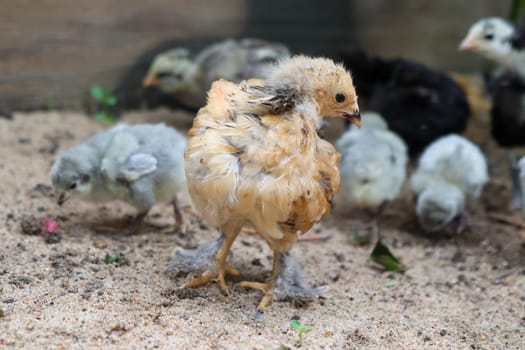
x,y
285,283
290,284
202,259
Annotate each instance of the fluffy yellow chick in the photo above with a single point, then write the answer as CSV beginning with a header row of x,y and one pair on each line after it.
x,y
254,158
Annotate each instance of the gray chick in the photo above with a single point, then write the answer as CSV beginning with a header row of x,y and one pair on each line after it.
x,y
188,77
139,164
451,170
373,164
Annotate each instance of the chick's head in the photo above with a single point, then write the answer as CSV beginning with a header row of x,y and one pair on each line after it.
x,y
489,37
71,177
438,205
171,71
330,84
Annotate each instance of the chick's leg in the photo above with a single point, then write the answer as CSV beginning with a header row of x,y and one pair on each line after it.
x,y
517,195
179,219
220,255
266,288
142,198
286,282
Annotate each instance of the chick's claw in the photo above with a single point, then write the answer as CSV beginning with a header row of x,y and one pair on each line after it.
x,y
266,288
219,277
286,283
203,258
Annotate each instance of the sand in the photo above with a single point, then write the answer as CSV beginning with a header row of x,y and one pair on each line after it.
x,y
460,291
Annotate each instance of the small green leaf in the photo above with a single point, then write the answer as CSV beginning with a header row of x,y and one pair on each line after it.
x,y
110,259
295,324
390,284
306,330
109,100
103,96
382,255
97,92
49,104
106,117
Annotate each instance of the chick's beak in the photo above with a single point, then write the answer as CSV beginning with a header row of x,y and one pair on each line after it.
x,y
62,198
468,44
150,80
354,118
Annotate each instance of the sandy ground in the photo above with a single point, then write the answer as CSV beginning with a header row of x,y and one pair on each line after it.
x,y
459,291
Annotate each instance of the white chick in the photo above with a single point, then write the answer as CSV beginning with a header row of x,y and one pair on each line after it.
x,y
451,170
373,163
188,78
498,40
139,164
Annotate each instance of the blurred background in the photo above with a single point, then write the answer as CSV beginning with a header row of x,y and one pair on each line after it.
x,y
53,51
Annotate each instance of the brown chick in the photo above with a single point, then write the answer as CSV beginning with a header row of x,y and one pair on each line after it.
x,y
254,158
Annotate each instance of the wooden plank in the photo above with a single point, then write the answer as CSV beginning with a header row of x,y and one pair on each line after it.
x,y
52,51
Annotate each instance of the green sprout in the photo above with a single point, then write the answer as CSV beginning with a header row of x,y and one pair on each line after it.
x,y
110,259
105,117
382,255
103,96
50,105
302,330
105,99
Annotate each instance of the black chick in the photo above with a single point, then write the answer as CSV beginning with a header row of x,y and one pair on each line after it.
x,y
418,103
508,123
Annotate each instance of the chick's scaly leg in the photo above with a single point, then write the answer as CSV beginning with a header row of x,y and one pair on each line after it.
x,y
221,267
179,219
202,258
220,260
266,288
286,282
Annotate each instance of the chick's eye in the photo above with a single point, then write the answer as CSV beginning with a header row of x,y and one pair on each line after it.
x,y
177,76
340,98
488,36
73,186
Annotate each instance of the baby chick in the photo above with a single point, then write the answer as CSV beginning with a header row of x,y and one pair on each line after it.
x,y
498,40
139,164
450,171
188,78
254,159
420,104
373,163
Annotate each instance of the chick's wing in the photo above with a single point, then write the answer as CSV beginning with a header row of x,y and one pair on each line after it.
x,y
136,166
246,162
122,145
